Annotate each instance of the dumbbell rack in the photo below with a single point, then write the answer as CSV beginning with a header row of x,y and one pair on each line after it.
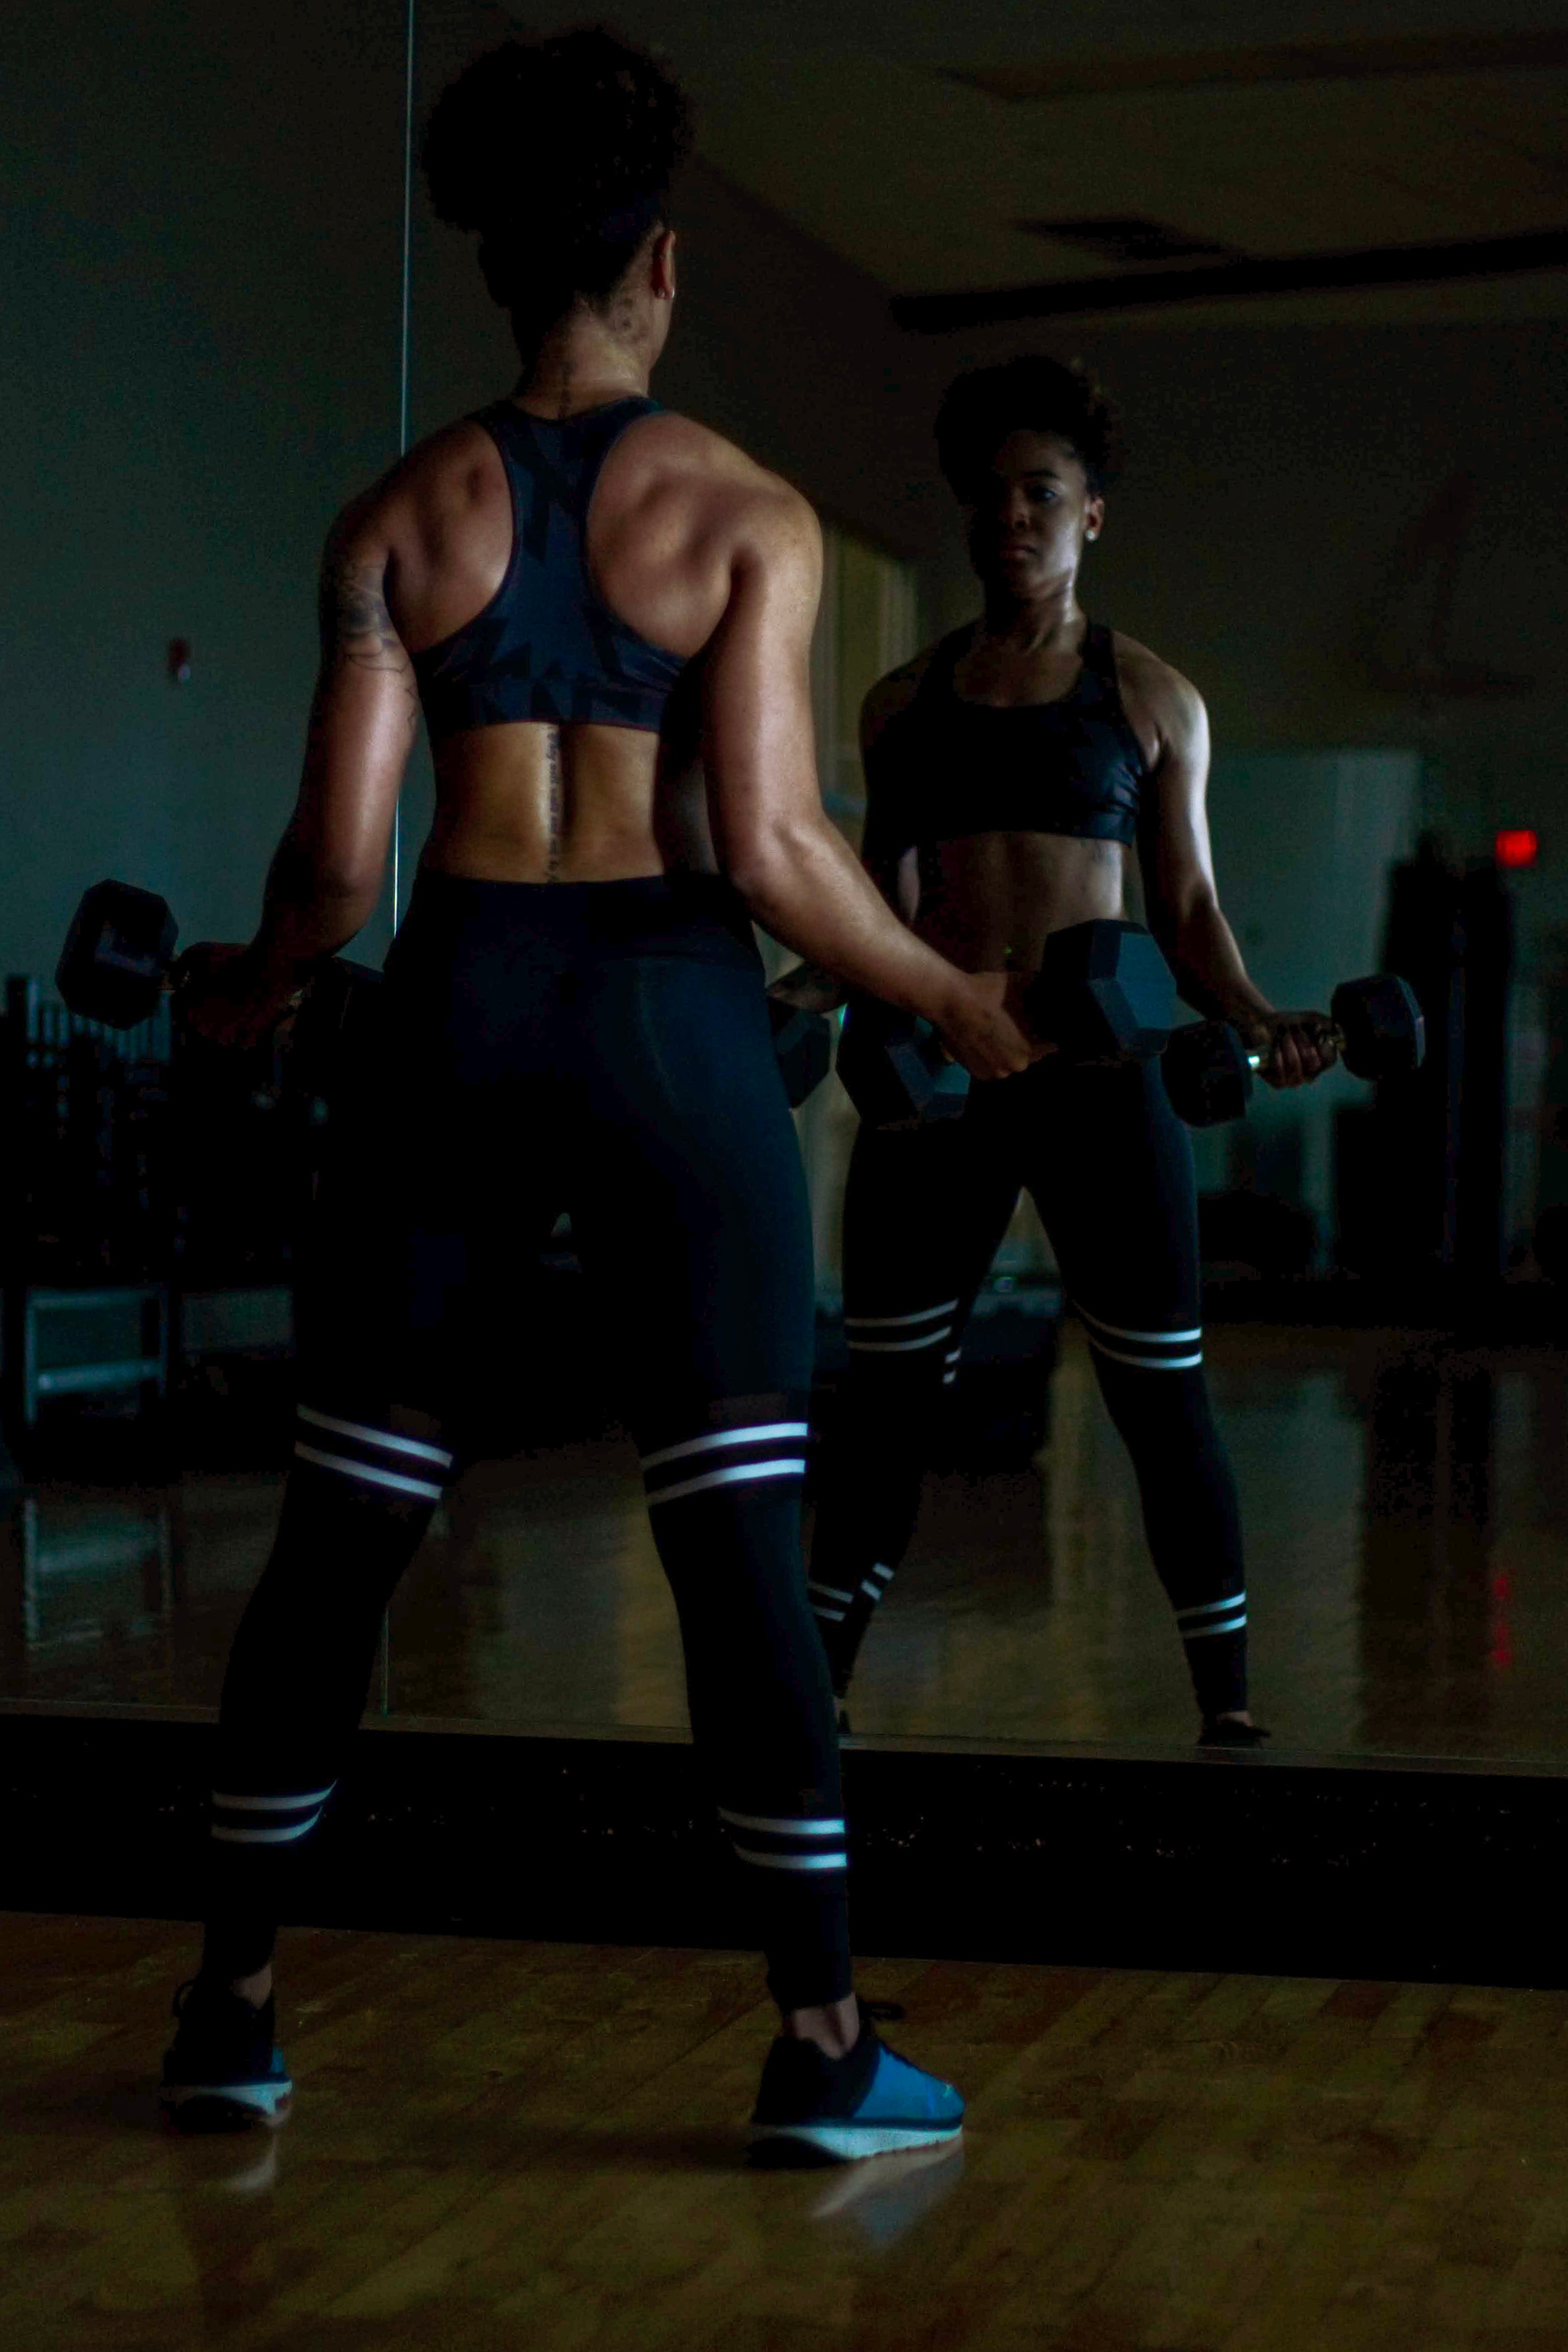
x,y
85,1115
121,1193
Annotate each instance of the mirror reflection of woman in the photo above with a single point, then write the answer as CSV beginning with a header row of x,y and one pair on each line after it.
x,y
1014,772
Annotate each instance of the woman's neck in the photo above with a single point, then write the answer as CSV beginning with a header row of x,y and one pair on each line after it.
x,y
581,364
1034,624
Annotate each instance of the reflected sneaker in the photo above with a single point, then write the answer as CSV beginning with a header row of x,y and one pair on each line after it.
x,y
814,2109
1227,1731
224,2070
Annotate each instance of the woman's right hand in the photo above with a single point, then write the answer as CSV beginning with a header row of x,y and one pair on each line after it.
x,y
226,995
980,1026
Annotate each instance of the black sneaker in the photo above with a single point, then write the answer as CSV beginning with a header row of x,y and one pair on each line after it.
x,y
1227,1731
222,2072
814,2109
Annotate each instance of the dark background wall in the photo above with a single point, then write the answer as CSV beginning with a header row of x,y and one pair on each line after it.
x,y
201,293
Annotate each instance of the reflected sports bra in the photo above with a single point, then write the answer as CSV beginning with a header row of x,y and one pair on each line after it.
x,y
547,646
944,768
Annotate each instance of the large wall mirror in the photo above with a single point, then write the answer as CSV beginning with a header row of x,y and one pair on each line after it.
x,y
1337,518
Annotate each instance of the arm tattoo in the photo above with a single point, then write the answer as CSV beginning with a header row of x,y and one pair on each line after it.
x,y
356,626
552,851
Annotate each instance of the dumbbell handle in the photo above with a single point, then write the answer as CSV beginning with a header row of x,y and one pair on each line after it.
x,y
1331,1033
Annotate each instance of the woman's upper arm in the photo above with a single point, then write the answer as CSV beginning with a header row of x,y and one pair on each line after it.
x,y
366,711
758,741
1174,852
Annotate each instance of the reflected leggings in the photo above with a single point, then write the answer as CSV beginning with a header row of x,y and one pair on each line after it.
x,y
1109,1168
604,1049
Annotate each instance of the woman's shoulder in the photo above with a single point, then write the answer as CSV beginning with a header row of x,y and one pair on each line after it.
x,y
1153,683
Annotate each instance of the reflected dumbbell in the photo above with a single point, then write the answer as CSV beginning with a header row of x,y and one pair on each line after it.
x,y
803,1040
894,1068
1375,1023
1103,993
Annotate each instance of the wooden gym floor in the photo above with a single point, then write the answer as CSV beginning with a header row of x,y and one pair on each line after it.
x,y
540,2146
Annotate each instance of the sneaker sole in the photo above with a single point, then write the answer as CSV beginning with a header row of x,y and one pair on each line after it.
x,y
226,2106
848,2143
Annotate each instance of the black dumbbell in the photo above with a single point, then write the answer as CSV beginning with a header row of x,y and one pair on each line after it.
x,y
1376,1025
894,1068
120,953
803,1044
1103,993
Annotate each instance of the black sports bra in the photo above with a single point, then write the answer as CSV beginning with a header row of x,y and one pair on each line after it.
x,y
547,645
945,768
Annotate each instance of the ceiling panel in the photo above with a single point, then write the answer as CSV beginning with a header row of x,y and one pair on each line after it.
x,y
1369,57
1276,129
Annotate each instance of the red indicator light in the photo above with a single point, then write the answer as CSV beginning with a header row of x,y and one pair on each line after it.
x,y
1517,847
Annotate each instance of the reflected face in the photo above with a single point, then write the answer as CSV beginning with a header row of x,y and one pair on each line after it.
x,y
1027,529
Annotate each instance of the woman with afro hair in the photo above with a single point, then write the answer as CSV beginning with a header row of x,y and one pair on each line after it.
x,y
583,593
1013,773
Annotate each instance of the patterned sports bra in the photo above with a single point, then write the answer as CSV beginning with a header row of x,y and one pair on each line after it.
x,y
547,646
945,768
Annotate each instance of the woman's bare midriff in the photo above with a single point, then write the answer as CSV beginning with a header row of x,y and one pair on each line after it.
x,y
530,803
990,902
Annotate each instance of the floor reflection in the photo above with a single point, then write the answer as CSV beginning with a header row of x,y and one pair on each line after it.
x,y
1407,1516
883,2201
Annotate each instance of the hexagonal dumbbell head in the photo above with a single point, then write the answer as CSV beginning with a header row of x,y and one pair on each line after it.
x,y
117,955
1103,993
893,1068
803,1044
1380,1023
1207,1073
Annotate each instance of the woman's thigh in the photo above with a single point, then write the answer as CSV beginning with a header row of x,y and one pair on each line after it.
x,y
1111,1168
687,1195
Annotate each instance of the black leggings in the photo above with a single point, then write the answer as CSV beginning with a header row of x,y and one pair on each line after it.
x,y
601,1048
1109,1167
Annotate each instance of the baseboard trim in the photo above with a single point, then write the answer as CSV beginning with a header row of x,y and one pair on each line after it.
x,y
1080,1857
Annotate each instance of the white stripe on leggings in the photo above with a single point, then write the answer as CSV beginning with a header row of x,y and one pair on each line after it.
x,y
762,1431
1223,1625
273,1804
728,1478
266,1837
890,1322
1145,1363
382,1437
898,1347
348,1469
818,1829
1155,1338
793,1860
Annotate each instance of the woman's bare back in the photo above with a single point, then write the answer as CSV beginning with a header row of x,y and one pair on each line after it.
x,y
530,801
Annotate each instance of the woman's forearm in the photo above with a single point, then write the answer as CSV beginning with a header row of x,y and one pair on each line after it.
x,y
307,912
806,886
1209,969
